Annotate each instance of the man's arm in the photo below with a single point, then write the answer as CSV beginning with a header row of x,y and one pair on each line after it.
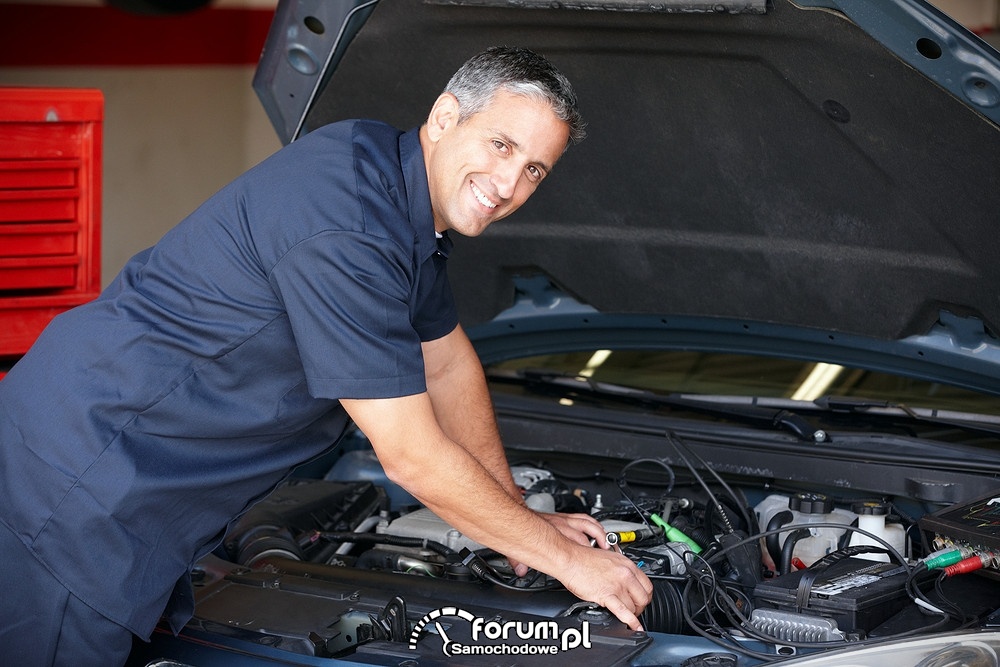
x,y
461,400
418,455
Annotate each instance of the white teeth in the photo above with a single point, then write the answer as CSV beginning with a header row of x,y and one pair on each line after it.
x,y
481,198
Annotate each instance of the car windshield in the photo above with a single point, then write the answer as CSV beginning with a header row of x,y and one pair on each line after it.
x,y
692,372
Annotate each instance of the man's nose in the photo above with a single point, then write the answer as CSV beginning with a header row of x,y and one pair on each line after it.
x,y
505,178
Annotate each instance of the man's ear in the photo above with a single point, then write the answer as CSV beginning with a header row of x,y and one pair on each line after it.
x,y
443,114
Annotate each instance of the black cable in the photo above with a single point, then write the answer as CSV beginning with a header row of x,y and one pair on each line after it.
x,y
626,491
529,578
736,498
701,481
485,571
623,488
645,505
660,462
958,614
913,590
898,557
718,596
595,476
704,578
732,644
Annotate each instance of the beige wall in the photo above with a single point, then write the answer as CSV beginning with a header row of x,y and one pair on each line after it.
x,y
172,137
979,15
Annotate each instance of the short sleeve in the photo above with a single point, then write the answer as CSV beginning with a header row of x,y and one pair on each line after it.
x,y
346,295
435,313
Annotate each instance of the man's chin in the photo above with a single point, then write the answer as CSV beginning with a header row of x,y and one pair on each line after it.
x,y
472,229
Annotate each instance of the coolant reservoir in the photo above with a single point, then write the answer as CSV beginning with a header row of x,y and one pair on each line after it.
x,y
871,517
806,509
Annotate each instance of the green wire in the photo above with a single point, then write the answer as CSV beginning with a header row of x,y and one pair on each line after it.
x,y
674,535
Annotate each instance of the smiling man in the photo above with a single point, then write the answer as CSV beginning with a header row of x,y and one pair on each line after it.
x,y
482,167
311,290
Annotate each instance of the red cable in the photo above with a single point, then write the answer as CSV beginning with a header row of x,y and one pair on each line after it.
x,y
970,564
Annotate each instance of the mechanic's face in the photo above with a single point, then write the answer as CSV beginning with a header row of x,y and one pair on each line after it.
x,y
484,168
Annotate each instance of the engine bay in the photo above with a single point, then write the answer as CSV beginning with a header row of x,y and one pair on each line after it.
x,y
745,571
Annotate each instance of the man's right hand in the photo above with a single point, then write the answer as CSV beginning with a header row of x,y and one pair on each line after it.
x,y
609,579
614,582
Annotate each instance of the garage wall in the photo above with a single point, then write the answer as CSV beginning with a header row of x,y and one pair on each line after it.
x,y
174,132
980,16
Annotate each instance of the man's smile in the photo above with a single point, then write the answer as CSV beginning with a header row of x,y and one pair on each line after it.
x,y
481,197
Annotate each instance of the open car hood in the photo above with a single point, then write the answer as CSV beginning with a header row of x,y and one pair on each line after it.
x,y
830,164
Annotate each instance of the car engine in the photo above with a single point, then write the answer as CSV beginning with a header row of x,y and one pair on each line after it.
x,y
349,565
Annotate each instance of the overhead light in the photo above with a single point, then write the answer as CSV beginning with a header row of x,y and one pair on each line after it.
x,y
595,361
818,381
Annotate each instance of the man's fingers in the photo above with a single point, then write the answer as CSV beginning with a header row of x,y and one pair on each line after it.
x,y
607,578
639,597
647,587
640,589
581,528
622,612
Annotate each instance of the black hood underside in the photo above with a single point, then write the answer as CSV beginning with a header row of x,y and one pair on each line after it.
x,y
780,166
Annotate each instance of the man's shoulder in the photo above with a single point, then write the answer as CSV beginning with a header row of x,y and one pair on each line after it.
x,y
340,137
350,172
356,130
361,143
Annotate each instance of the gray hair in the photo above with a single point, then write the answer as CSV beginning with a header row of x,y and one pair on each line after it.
x,y
518,71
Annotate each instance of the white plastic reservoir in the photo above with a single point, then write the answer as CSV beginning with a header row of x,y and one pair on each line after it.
x,y
871,517
806,509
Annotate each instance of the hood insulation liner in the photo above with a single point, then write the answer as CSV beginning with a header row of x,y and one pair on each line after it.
x,y
781,167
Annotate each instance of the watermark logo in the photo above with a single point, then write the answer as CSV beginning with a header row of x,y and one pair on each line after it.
x,y
503,638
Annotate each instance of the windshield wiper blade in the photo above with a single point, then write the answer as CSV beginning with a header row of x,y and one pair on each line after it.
x,y
855,404
771,417
860,405
776,417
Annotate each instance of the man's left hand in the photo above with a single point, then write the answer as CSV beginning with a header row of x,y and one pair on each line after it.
x,y
580,528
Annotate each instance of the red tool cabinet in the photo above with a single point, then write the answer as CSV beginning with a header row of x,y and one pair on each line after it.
x,y
50,207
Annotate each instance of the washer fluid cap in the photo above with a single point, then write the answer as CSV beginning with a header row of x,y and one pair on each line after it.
x,y
810,503
878,509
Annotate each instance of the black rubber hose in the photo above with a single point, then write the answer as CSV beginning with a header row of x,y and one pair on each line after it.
x,y
773,542
789,547
664,613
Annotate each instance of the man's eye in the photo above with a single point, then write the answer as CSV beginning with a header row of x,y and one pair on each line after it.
x,y
535,172
499,145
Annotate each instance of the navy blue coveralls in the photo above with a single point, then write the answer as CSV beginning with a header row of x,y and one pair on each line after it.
x,y
141,424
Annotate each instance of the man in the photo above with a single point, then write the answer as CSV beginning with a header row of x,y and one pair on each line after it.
x,y
309,290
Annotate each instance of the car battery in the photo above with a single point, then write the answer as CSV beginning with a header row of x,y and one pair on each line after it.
x,y
858,594
50,207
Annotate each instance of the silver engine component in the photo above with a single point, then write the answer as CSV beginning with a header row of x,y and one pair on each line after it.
x,y
792,627
426,525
